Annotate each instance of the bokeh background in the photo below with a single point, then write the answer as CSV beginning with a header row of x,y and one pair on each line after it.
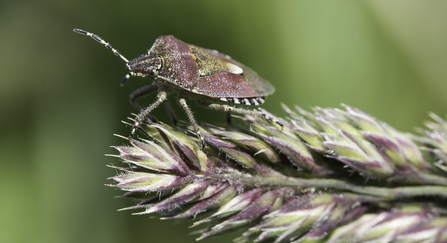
x,y
60,99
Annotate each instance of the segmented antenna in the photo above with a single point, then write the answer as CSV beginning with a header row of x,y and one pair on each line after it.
x,y
100,40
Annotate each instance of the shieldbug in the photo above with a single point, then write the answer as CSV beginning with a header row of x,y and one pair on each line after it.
x,y
207,76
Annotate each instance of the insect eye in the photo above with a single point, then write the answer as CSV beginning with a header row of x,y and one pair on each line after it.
x,y
152,72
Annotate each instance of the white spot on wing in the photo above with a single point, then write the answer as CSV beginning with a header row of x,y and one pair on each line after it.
x,y
234,69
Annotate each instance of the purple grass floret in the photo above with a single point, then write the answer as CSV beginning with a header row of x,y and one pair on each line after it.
x,y
329,175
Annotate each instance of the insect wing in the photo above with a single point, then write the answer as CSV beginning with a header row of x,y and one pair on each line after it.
x,y
257,84
225,84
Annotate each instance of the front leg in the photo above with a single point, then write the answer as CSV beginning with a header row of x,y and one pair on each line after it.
x,y
162,96
140,93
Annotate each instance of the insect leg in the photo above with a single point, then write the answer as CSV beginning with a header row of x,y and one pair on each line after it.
x,y
228,108
229,118
171,113
140,93
162,96
188,111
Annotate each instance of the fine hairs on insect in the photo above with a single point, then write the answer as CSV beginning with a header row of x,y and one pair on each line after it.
x,y
212,79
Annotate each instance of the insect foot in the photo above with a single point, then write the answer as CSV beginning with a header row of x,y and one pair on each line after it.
x,y
204,75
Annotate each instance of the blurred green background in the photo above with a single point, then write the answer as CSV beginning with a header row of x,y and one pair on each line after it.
x,y
60,99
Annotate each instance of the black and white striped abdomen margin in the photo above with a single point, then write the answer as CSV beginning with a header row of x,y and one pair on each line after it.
x,y
245,101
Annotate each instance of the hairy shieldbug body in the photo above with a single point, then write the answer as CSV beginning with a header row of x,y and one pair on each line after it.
x,y
207,76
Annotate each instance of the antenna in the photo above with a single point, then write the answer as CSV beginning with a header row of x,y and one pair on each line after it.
x,y
100,40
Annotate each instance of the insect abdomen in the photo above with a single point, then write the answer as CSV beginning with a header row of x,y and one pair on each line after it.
x,y
245,101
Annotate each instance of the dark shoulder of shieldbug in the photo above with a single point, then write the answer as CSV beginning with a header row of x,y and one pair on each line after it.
x,y
207,76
